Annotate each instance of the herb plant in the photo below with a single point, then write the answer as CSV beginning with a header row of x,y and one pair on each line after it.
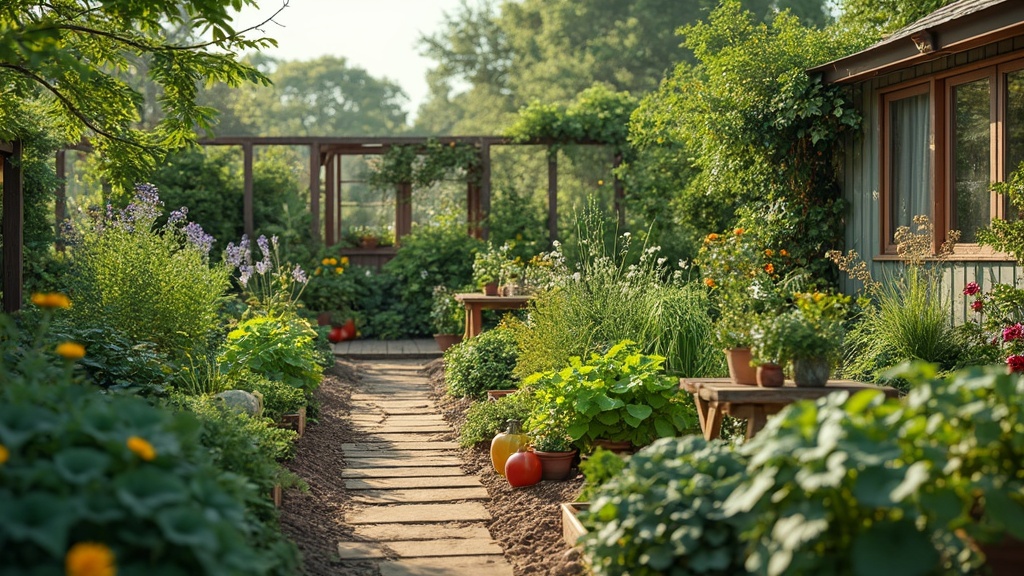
x,y
486,418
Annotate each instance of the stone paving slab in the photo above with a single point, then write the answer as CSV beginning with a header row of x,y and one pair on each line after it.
x,y
419,496
401,472
414,482
398,454
384,428
409,513
408,395
419,462
402,437
386,532
473,566
419,548
370,445
361,551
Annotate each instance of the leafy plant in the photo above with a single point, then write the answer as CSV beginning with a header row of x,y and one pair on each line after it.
x,y
119,364
280,347
278,398
812,328
488,264
599,467
485,362
447,314
332,285
621,395
486,418
663,512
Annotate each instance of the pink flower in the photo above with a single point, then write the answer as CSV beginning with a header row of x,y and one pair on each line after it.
x,y
977,305
1011,333
972,288
1016,363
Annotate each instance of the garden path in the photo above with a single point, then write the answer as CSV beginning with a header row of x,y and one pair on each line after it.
x,y
413,508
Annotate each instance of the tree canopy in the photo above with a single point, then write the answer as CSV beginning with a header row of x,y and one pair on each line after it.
x,y
73,61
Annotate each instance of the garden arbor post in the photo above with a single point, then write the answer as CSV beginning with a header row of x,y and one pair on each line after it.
x,y
314,192
620,192
552,194
13,224
247,192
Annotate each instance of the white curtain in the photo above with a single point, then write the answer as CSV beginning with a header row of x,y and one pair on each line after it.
x,y
910,170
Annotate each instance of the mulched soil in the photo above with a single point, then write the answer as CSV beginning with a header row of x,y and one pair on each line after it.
x,y
527,522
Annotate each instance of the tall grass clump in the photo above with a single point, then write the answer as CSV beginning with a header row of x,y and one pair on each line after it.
x,y
151,284
906,315
615,292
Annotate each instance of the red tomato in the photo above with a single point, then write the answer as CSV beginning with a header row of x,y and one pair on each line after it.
x,y
523,469
337,334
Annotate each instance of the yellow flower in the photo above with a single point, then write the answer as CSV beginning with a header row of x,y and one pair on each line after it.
x,y
709,282
51,300
339,270
818,296
90,559
325,261
333,262
451,144
4,454
141,448
600,182
344,260
317,271
71,350
738,231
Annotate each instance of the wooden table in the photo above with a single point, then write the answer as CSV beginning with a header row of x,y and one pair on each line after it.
x,y
476,303
716,397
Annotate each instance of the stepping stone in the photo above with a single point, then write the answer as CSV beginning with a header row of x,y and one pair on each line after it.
x,y
391,404
419,462
386,532
419,496
472,566
401,472
380,446
444,548
361,551
414,482
407,437
415,513
386,429
363,396
396,454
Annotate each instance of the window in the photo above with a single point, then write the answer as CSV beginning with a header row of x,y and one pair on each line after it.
x,y
943,142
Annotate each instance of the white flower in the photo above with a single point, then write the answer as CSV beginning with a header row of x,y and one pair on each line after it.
x,y
661,261
626,234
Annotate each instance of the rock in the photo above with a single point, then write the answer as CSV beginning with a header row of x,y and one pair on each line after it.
x,y
242,401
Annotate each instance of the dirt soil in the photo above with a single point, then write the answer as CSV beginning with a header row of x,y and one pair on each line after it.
x,y
527,522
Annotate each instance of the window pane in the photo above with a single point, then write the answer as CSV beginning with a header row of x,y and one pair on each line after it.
x,y
1014,126
910,169
972,202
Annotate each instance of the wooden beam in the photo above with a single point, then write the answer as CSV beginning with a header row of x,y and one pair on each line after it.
x,y
620,192
485,188
13,228
330,208
247,192
552,194
314,192
60,208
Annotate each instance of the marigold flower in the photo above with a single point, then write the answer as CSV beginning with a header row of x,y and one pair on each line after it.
x,y
5,454
769,252
71,350
1016,363
977,305
709,282
769,268
339,270
783,253
333,262
971,289
51,300
325,261
90,559
711,237
738,231
142,448
344,260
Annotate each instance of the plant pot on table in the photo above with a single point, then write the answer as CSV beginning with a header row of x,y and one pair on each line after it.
x,y
810,372
770,376
740,369
555,465
490,289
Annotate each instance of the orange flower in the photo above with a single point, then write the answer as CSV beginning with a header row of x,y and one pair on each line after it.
x,y
783,252
768,253
325,261
769,268
90,559
71,350
5,454
709,282
142,448
738,231
51,300
711,237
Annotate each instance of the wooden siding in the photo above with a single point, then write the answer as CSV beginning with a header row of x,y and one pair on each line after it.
x,y
862,187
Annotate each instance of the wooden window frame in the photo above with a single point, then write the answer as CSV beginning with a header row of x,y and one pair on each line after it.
x,y
898,92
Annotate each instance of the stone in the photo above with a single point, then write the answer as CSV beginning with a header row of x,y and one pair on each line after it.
x,y
415,513
402,472
419,495
414,482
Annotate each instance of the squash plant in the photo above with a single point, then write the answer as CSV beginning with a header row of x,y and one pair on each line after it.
x,y
620,395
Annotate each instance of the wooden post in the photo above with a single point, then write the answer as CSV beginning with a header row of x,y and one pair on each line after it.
x,y
485,189
247,190
620,193
330,210
61,201
13,226
473,205
314,192
552,194
403,210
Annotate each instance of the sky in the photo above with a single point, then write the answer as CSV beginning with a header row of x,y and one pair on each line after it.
x,y
379,36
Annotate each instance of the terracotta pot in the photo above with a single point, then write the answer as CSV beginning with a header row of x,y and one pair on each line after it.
x,y
493,395
617,446
810,372
740,369
770,376
555,465
368,242
491,289
446,341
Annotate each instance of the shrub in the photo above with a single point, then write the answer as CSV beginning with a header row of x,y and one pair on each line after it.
x,y
483,363
485,419
117,363
280,347
152,285
662,514
598,468
278,398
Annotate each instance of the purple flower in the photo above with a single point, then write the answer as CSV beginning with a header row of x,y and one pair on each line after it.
x,y
246,272
971,289
236,256
263,267
264,246
178,215
195,235
298,274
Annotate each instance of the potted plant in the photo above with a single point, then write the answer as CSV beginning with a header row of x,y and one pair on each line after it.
x,y
622,395
448,318
552,444
810,335
487,267
767,352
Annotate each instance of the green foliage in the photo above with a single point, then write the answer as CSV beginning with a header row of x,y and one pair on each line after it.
x,y
486,418
332,287
1007,235
447,315
71,59
811,328
598,468
268,286
484,362
613,294
663,513
426,165
621,395
488,264
279,347
873,19
278,398
149,284
598,115
119,364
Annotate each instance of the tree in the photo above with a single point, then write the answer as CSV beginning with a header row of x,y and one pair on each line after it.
x,y
72,58
875,18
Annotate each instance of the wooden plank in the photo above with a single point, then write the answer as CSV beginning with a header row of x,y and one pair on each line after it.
x,y
385,462
414,482
418,513
371,445
247,191
392,532
456,566
402,472
419,495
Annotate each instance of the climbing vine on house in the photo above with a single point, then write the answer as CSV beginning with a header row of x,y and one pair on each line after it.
x,y
424,165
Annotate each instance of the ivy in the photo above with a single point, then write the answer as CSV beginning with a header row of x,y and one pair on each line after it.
x,y
423,165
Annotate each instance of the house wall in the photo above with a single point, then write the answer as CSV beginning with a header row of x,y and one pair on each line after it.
x,y
860,169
